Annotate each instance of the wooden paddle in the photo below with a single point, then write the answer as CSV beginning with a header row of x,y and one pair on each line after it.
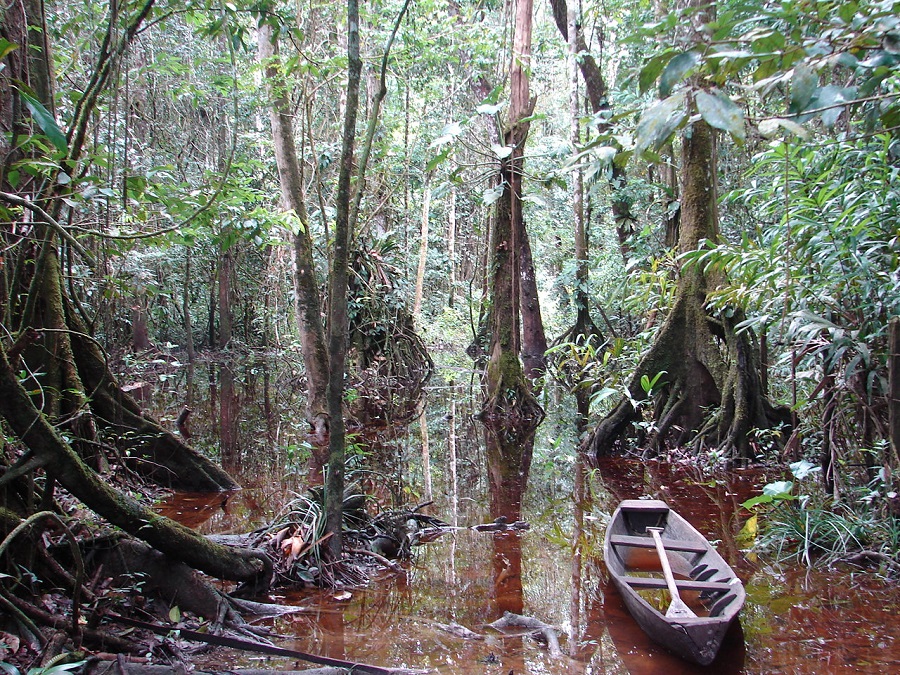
x,y
677,608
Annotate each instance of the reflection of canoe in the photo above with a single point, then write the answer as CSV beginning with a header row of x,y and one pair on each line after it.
x,y
704,579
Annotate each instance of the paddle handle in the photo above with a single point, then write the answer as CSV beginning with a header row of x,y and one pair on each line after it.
x,y
664,562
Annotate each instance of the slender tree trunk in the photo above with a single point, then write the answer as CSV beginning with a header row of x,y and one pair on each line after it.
x,y
211,309
451,246
308,299
337,305
581,242
226,310
894,385
423,247
186,308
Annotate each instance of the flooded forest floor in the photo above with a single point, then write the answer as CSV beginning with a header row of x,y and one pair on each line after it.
x,y
250,417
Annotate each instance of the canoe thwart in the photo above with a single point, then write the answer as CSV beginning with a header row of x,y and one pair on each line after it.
x,y
647,542
683,584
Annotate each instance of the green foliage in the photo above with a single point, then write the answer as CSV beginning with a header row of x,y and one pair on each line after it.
x,y
45,121
835,60
820,264
813,529
51,669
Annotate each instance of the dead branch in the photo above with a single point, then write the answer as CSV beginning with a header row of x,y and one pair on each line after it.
x,y
510,620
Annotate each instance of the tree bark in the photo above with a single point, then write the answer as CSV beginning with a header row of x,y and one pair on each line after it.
x,y
894,385
186,308
534,338
423,247
226,311
451,247
308,299
337,300
507,393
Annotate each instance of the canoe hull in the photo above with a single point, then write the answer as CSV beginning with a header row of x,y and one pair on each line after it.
x,y
702,572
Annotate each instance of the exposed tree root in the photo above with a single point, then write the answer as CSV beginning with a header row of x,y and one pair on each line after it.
x,y
708,392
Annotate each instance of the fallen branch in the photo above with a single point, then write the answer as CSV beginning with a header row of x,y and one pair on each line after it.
x,y
112,667
501,526
510,620
868,558
458,630
246,645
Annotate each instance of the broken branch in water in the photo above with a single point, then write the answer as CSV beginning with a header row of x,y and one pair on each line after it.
x,y
501,526
458,630
510,620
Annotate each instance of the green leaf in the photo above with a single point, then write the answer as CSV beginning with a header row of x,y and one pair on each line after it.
x,y
652,69
759,499
175,614
6,47
491,195
831,97
45,121
722,113
659,122
676,70
439,158
769,128
847,10
803,86
502,151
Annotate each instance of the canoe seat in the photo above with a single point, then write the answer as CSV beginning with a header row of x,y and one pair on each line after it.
x,y
683,584
719,607
647,542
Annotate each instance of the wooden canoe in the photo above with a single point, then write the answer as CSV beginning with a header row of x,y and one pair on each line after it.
x,y
703,579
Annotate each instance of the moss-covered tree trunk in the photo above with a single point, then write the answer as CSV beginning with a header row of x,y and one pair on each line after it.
x,y
507,392
709,392
337,296
67,369
57,458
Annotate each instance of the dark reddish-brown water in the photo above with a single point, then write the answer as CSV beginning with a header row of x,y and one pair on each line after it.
x,y
796,620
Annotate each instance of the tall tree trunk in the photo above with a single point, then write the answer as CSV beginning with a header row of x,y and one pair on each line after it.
x,y
337,300
894,385
226,309
308,299
507,393
186,308
451,246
